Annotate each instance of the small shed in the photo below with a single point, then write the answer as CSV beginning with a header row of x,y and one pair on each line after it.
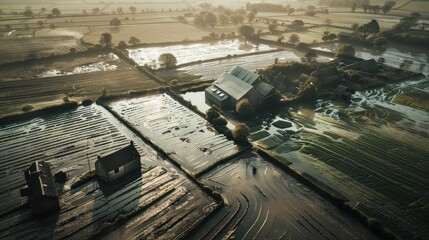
x,y
341,93
117,164
40,188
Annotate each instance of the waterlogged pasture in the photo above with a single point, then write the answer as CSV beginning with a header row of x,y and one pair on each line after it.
x,y
187,53
213,70
373,151
266,203
68,141
181,133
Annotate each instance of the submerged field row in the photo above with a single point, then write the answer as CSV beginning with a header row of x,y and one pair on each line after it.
x,y
68,141
177,130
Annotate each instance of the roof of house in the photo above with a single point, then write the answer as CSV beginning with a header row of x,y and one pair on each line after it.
x,y
216,93
40,180
245,75
119,158
233,86
264,88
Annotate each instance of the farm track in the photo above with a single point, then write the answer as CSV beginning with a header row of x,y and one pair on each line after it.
x,y
177,130
68,140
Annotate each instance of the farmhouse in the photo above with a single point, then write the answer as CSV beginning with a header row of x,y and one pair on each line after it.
x,y
230,88
41,188
117,164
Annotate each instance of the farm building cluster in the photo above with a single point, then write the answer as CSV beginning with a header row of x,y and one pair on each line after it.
x,y
240,84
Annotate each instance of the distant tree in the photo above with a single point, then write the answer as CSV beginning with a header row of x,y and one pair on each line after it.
x,y
52,26
212,114
205,6
106,39
40,23
310,13
120,10
272,27
415,15
354,26
168,60
280,39
95,10
369,28
73,50
199,20
210,19
181,19
345,51
296,24
310,56
122,44
354,7
236,18
247,31
8,27
28,13
133,9
115,22
332,36
290,11
311,8
133,40
223,19
241,134
43,9
251,15
294,38
380,41
56,12
245,109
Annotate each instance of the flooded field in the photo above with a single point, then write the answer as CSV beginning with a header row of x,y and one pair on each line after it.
x,y
70,141
46,82
266,203
107,63
213,70
373,151
187,53
180,132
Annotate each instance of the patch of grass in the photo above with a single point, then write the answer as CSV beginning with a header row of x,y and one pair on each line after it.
x,y
259,135
269,143
282,124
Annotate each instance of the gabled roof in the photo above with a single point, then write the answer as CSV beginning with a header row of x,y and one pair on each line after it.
x,y
245,75
40,181
119,158
233,86
216,93
264,88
